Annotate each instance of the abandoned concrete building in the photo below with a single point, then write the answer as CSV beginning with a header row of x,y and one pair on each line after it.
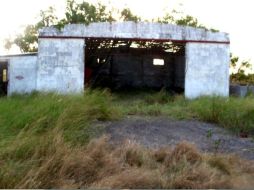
x,y
122,55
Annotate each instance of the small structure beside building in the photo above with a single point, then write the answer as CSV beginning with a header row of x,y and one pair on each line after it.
x,y
241,90
65,64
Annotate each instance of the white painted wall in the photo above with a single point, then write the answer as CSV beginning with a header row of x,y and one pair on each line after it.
x,y
207,64
207,70
61,65
22,74
142,30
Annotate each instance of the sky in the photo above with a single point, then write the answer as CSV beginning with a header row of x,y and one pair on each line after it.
x,y
232,16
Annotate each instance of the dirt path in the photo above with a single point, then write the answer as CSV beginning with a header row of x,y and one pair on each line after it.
x,y
156,132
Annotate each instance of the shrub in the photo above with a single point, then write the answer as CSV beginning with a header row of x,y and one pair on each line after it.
x,y
233,113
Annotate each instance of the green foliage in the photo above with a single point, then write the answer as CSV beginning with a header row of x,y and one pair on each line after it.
x,y
41,131
168,18
242,66
233,60
225,112
181,19
76,13
28,40
161,97
127,15
31,125
242,79
240,76
222,111
37,114
86,13
189,21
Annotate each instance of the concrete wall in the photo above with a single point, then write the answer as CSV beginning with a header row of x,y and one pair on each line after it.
x,y
61,65
140,30
207,54
207,70
22,74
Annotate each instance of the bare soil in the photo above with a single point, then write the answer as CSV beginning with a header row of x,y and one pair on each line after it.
x,y
155,132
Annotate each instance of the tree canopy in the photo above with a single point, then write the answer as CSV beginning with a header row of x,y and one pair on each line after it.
x,y
86,13
240,75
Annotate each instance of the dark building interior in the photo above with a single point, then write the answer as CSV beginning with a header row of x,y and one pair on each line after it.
x,y
3,78
123,66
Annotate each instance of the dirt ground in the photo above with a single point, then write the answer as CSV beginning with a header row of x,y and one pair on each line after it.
x,y
157,132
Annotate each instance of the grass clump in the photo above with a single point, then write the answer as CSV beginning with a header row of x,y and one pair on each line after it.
x,y
45,142
161,97
103,165
183,151
37,114
232,113
29,125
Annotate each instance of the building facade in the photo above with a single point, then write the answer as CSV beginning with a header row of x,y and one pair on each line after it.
x,y
60,64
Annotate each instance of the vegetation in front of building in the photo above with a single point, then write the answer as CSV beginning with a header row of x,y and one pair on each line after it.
x,y
233,113
55,164
46,142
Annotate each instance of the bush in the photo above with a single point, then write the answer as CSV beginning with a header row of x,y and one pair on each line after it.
x,y
233,113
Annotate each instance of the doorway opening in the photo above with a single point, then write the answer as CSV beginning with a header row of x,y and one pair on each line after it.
x,y
134,64
3,78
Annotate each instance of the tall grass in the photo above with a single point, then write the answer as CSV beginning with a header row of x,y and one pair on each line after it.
x,y
45,142
102,165
38,113
31,126
236,114
233,113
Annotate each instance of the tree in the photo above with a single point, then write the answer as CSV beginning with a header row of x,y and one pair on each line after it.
x,y
127,15
76,13
86,13
240,76
179,18
28,40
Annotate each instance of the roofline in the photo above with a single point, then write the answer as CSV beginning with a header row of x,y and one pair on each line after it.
x,y
18,55
136,39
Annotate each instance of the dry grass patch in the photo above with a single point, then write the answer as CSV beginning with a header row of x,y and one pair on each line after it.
x,y
183,151
102,165
133,178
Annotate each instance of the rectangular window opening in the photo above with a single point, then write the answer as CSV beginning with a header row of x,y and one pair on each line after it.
x,y
159,62
4,75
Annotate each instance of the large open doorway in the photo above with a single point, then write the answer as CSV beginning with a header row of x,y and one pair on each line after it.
x,y
134,64
3,78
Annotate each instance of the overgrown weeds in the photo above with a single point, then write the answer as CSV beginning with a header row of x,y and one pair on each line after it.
x,y
232,113
45,142
102,165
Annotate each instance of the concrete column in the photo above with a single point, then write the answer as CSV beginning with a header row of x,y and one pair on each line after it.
x,y
61,65
207,70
